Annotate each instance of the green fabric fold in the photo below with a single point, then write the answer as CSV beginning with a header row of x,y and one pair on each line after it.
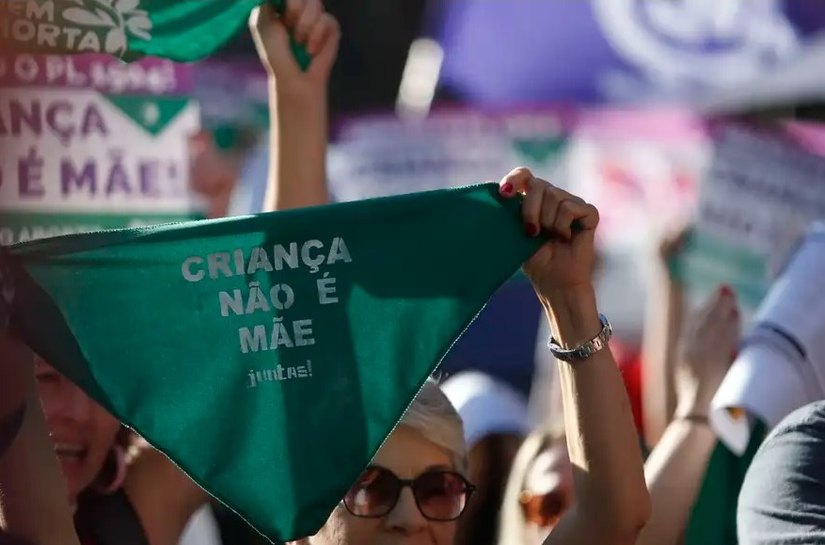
x,y
269,356
181,30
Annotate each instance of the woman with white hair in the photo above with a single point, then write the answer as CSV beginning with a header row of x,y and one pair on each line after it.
x,y
415,487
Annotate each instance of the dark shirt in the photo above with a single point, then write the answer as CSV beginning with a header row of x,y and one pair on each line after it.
x,y
782,501
108,520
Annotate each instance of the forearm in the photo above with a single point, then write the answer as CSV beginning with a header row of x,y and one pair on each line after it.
x,y
674,472
662,328
298,147
33,496
611,498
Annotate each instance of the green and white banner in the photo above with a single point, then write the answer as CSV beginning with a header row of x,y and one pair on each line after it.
x,y
76,159
181,30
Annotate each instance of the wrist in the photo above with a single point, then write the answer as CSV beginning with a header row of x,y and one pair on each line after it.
x,y
572,313
693,408
695,422
296,92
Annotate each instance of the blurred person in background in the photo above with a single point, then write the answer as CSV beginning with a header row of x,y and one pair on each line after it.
x,y
782,500
495,423
541,484
119,488
214,173
664,318
676,467
539,490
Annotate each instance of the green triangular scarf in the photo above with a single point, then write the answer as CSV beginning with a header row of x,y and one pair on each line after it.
x,y
175,329
181,30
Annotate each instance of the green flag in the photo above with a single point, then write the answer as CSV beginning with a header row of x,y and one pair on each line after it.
x,y
181,30
269,356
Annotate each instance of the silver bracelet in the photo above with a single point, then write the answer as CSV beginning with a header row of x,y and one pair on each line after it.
x,y
584,350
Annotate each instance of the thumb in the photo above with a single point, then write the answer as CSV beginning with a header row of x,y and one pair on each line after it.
x,y
271,40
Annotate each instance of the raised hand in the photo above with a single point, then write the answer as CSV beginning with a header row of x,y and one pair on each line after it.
x,y
312,27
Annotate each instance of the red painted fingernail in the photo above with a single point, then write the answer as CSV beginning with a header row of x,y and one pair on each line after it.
x,y
726,290
507,189
532,229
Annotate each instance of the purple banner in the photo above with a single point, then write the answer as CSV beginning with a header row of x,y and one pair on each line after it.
x,y
729,52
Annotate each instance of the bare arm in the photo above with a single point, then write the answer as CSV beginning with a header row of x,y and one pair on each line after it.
x,y
297,101
298,145
33,496
677,465
612,502
674,472
663,322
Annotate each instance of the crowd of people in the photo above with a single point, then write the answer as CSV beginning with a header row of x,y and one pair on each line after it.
x,y
467,464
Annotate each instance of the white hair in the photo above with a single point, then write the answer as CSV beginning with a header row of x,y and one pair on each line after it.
x,y
433,415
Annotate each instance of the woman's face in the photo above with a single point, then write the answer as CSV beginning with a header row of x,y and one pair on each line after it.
x,y
407,454
549,481
81,430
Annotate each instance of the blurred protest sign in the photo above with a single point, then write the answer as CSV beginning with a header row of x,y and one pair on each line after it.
x,y
89,143
640,168
383,155
182,30
637,166
763,188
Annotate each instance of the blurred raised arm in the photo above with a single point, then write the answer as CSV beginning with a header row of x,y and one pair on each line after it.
x,y
297,100
663,323
677,465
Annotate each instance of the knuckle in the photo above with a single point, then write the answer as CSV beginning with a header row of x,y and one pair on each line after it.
x,y
332,24
567,207
521,172
594,212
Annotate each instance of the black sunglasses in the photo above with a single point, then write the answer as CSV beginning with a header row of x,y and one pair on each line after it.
x,y
440,495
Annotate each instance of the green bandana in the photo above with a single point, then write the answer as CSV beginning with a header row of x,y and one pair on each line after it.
x,y
181,30
269,356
